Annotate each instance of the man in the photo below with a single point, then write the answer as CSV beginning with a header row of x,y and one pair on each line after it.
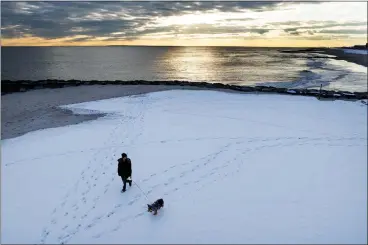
x,y
125,170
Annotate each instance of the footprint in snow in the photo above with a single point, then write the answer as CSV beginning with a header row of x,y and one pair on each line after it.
x,y
138,215
89,226
118,205
97,236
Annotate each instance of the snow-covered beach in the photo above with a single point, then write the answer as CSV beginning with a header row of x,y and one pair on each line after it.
x,y
39,109
232,168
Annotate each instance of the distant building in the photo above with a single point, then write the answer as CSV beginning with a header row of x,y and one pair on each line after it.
x,y
360,46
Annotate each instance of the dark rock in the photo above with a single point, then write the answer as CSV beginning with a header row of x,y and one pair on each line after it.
x,y
219,85
291,91
9,86
361,95
280,90
268,89
312,91
247,89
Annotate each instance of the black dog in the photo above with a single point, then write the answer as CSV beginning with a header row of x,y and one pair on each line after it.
x,y
155,206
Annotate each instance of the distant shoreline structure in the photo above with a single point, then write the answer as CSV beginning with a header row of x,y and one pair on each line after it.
x,y
362,47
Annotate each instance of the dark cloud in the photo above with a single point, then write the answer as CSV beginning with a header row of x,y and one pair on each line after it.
x,y
344,31
60,19
287,23
313,27
291,29
329,37
81,39
325,24
295,33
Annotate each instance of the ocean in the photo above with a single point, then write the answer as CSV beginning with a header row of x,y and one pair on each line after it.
x,y
230,65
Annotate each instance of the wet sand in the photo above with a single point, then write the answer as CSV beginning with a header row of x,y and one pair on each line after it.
x,y
25,112
359,59
339,54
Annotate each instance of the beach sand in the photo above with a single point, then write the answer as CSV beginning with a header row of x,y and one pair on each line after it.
x,y
38,109
25,112
359,59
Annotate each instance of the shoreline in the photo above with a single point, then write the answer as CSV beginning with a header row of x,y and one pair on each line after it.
x,y
37,109
359,59
339,54
8,87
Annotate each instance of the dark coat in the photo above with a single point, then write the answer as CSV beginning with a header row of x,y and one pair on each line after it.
x,y
125,168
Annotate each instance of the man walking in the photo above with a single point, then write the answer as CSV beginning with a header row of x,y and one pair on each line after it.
x,y
125,170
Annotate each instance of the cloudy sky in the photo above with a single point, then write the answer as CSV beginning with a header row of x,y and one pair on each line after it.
x,y
184,23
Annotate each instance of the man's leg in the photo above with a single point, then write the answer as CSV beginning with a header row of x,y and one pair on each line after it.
x,y
124,182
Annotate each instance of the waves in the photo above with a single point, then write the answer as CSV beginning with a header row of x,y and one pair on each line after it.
x,y
330,73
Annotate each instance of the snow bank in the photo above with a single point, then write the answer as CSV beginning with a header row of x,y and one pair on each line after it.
x,y
231,168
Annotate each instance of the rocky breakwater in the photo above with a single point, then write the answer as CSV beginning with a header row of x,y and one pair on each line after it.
x,y
22,86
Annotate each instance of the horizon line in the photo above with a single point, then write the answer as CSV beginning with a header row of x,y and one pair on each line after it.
x,y
142,45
